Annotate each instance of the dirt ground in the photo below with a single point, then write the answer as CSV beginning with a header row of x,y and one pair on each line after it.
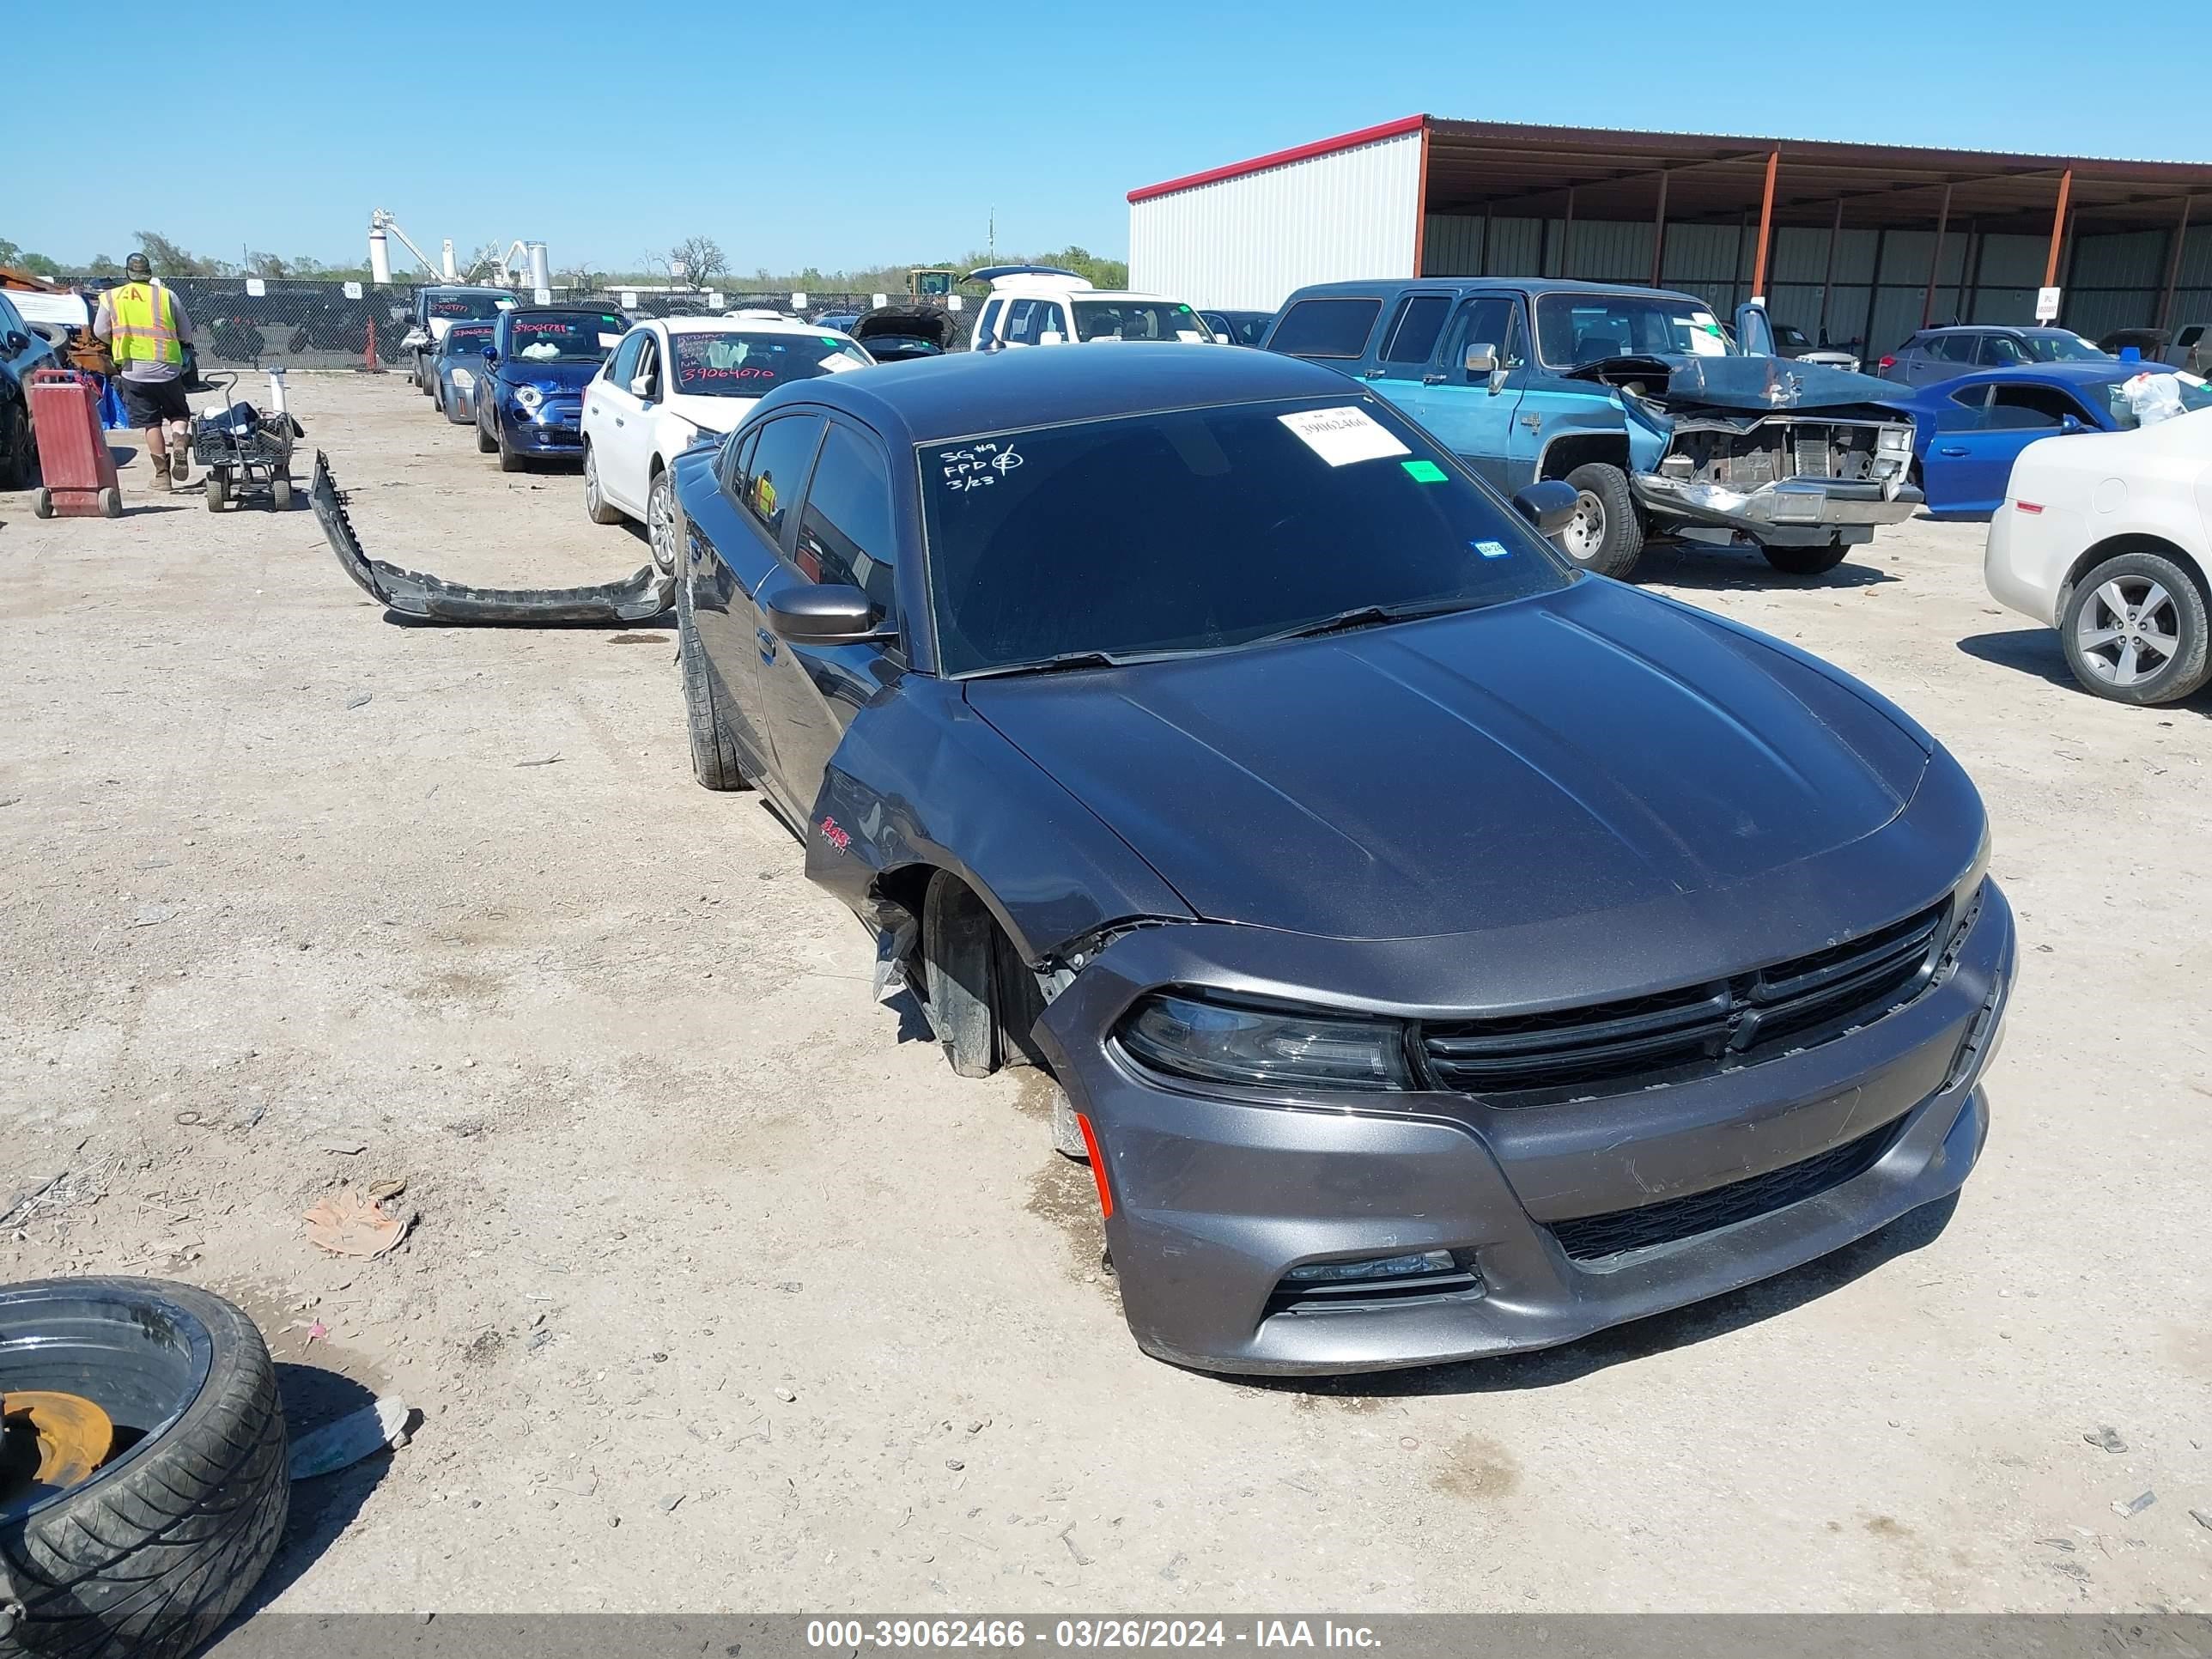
x,y
726,1294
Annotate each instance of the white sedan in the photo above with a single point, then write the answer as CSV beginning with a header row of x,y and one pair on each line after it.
x,y
2107,537
670,382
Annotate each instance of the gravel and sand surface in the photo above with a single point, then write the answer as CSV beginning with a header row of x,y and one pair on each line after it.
x,y
725,1294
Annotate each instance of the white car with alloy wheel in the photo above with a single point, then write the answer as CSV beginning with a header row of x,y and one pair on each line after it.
x,y
674,380
2107,537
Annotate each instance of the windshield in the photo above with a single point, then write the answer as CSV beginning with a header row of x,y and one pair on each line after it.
x,y
1204,529
747,365
1137,320
1588,328
465,341
467,304
2058,345
571,338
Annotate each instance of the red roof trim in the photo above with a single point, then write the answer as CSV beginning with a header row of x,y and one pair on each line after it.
x,y
1285,157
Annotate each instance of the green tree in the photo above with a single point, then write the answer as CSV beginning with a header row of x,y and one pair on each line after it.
x,y
170,258
103,265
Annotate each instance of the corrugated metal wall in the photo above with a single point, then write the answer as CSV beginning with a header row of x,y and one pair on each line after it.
x,y
2114,280
1245,243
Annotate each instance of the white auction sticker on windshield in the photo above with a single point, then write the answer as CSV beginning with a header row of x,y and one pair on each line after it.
x,y
1341,436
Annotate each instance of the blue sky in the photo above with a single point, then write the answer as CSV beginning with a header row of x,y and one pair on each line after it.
x,y
855,134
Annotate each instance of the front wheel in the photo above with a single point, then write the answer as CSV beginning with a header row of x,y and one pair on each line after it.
x,y
1806,561
2135,630
510,459
486,444
663,523
596,505
19,456
1605,535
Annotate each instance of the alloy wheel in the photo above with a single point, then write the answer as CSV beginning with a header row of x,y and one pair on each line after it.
x,y
660,524
2129,631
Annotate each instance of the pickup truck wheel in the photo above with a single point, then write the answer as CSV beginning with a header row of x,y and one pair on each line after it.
x,y
1806,561
1605,535
2135,630
595,502
713,756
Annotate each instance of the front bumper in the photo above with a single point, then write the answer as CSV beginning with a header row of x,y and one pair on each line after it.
x,y
556,428
1794,510
1215,1199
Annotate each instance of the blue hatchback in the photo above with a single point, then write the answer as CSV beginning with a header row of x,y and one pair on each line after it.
x,y
1968,431
530,400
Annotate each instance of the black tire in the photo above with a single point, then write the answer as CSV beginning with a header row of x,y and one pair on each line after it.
x,y
19,449
486,444
2171,606
1807,560
1603,489
280,495
959,949
218,491
509,460
147,1557
596,505
713,756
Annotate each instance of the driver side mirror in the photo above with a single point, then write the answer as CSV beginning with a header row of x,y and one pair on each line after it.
x,y
823,613
1481,358
18,341
1052,337
641,385
1548,506
491,353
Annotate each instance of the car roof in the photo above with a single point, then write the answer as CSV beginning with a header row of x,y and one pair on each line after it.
x,y
1534,285
2098,374
967,393
463,288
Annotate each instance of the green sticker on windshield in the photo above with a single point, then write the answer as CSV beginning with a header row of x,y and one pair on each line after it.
x,y
1425,471
831,340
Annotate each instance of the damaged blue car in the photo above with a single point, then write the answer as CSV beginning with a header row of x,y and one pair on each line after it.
x,y
530,400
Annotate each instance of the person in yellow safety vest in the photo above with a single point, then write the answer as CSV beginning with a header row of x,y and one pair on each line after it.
x,y
146,331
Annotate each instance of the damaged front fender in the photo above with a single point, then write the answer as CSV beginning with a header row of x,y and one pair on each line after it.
x,y
412,593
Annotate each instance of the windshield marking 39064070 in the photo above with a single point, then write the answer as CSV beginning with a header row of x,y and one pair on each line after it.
x,y
1097,542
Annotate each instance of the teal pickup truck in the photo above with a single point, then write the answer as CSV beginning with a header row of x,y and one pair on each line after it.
x,y
1636,397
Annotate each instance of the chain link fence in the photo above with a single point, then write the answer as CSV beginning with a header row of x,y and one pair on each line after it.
x,y
295,324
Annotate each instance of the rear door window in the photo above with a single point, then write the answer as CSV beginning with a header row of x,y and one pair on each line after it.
x,y
1413,332
1952,348
1326,328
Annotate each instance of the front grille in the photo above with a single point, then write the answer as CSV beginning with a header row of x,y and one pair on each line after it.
x,y
1306,1295
1637,1042
1671,1221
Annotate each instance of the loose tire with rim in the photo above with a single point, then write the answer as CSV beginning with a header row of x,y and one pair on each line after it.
x,y
147,1556
1806,561
1605,535
596,507
2135,630
713,756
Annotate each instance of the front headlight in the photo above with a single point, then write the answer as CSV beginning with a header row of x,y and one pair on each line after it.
x,y
1216,1043
1895,440
528,397
462,377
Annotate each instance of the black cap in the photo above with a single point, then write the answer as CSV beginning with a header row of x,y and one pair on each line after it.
x,y
137,265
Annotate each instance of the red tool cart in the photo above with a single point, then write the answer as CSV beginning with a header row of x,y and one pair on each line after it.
x,y
79,473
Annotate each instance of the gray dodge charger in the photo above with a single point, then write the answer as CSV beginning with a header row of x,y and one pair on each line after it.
x,y
1442,951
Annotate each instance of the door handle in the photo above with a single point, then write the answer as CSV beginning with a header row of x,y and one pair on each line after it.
x,y
1950,449
1434,380
1370,373
766,641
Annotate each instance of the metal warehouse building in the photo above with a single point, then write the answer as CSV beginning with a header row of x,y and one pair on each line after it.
x,y
1864,242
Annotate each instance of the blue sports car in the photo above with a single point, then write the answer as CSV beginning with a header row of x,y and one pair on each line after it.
x,y
1967,431
530,399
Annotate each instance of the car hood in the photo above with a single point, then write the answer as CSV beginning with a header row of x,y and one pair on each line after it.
x,y
714,413
1746,385
1587,750
547,377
